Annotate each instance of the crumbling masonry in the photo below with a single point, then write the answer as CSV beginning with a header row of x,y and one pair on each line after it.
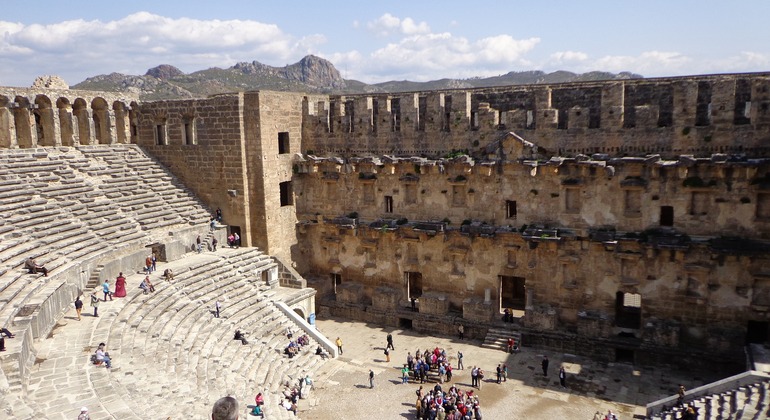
x,y
628,220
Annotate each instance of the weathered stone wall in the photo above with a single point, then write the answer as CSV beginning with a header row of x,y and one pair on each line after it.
x,y
212,162
672,116
708,197
575,280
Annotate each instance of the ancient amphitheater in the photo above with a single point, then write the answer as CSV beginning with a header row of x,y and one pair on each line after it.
x,y
621,223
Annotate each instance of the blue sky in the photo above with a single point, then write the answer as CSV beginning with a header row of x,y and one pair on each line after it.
x,y
380,41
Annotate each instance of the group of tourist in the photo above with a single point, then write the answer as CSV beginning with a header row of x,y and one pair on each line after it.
x,y
453,404
422,363
295,345
34,268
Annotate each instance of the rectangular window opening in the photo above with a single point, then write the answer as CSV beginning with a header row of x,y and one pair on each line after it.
x,y
510,209
388,204
336,281
283,143
666,216
287,196
160,134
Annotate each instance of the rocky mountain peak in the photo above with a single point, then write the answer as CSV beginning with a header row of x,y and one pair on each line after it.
x,y
164,72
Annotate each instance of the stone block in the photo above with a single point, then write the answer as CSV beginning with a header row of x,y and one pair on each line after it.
x,y
386,299
350,293
434,303
475,309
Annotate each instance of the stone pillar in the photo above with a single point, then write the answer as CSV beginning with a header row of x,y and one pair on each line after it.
x,y
111,134
91,127
685,102
613,101
723,103
56,127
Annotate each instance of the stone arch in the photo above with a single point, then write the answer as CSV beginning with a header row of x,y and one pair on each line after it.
x,y
82,118
301,312
45,122
102,122
7,128
121,111
25,135
67,128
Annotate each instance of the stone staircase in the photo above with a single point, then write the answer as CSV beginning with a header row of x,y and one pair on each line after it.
x,y
741,397
497,338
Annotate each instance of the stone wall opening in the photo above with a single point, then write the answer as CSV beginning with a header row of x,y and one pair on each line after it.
x,y
512,293
756,332
413,282
283,143
628,310
666,215
336,280
287,196
388,204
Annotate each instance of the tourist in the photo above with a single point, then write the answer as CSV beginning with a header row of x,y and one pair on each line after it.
x,y
106,290
387,355
562,377
84,414
680,392
371,379
212,224
231,240
226,408
95,303
103,356
198,244
144,286
2,343
33,267
168,274
390,341
154,261
544,365
149,284
474,376
148,265
461,331
505,372
499,371
480,378
405,374
507,317
214,243
511,342
460,360
217,307
339,344
236,239
120,286
78,306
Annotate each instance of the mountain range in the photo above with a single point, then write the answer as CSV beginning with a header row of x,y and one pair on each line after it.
x,y
311,74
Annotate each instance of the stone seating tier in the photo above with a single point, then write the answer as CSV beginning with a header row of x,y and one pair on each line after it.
x,y
184,341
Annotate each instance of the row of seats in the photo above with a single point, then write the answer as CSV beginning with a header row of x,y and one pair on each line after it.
x,y
744,402
170,340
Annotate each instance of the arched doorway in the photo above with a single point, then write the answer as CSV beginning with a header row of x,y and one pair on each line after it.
x,y
300,312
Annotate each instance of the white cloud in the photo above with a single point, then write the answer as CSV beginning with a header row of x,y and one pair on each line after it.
x,y
143,40
568,57
648,63
436,55
388,24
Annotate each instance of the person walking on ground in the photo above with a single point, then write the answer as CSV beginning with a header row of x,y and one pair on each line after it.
x,y
387,355
371,379
78,306
505,372
460,360
562,377
405,374
461,331
390,342
499,373
198,242
95,303
154,262
474,376
480,378
217,307
106,290
339,344
544,365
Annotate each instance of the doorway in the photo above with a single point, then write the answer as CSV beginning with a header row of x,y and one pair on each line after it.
x,y
512,293
666,216
756,332
413,284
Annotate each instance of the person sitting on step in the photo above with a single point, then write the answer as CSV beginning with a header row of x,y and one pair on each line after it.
x,y
34,268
